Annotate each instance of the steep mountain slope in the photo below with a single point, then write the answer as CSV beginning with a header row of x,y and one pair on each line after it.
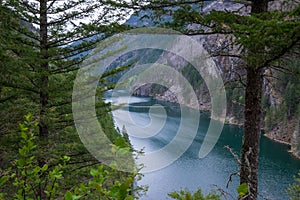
x,y
281,97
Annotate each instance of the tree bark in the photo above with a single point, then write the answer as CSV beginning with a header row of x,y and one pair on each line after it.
x,y
250,147
44,83
253,117
44,77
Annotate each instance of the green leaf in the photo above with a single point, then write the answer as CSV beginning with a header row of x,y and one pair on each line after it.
x,y
58,176
20,163
241,98
23,128
94,172
242,189
45,167
66,158
113,164
36,170
23,151
28,117
3,180
74,197
68,196
114,191
123,151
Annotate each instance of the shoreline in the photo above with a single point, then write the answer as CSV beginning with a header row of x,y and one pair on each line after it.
x,y
233,123
293,153
277,140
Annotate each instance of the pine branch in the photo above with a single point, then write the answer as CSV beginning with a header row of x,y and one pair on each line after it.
x,y
70,5
8,98
51,4
28,34
10,85
73,15
282,52
29,7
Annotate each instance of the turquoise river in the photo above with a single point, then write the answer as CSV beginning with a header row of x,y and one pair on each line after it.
x,y
277,167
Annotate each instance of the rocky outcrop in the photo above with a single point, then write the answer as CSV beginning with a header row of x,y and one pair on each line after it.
x,y
285,131
295,141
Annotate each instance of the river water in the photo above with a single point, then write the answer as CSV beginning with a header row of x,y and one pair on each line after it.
x,y
277,167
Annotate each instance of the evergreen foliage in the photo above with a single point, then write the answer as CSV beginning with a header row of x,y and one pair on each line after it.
x,y
49,55
43,44
41,47
260,38
29,178
187,195
294,190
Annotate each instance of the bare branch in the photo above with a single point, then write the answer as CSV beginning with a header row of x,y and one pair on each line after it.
x,y
233,154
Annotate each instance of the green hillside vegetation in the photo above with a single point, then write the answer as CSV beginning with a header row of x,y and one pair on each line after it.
x,y
41,154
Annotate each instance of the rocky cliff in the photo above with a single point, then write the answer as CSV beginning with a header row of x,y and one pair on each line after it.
x,y
281,99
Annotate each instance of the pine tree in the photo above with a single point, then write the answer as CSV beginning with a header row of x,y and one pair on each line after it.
x,y
13,72
44,43
52,49
261,38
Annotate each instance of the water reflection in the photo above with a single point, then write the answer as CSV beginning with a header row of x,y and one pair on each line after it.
x,y
276,170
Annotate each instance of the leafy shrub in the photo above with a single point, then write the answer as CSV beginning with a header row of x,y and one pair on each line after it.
x,y
294,190
187,195
34,180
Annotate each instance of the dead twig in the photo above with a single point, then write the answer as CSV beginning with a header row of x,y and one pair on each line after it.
x,y
234,155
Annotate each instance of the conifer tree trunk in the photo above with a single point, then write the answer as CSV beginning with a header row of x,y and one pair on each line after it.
x,y
253,117
44,79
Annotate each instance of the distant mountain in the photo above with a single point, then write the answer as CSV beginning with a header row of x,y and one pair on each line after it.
x,y
281,99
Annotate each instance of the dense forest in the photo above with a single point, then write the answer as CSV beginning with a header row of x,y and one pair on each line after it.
x,y
255,44
42,156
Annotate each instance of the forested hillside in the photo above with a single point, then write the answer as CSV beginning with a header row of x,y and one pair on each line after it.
x,y
281,95
262,41
43,44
